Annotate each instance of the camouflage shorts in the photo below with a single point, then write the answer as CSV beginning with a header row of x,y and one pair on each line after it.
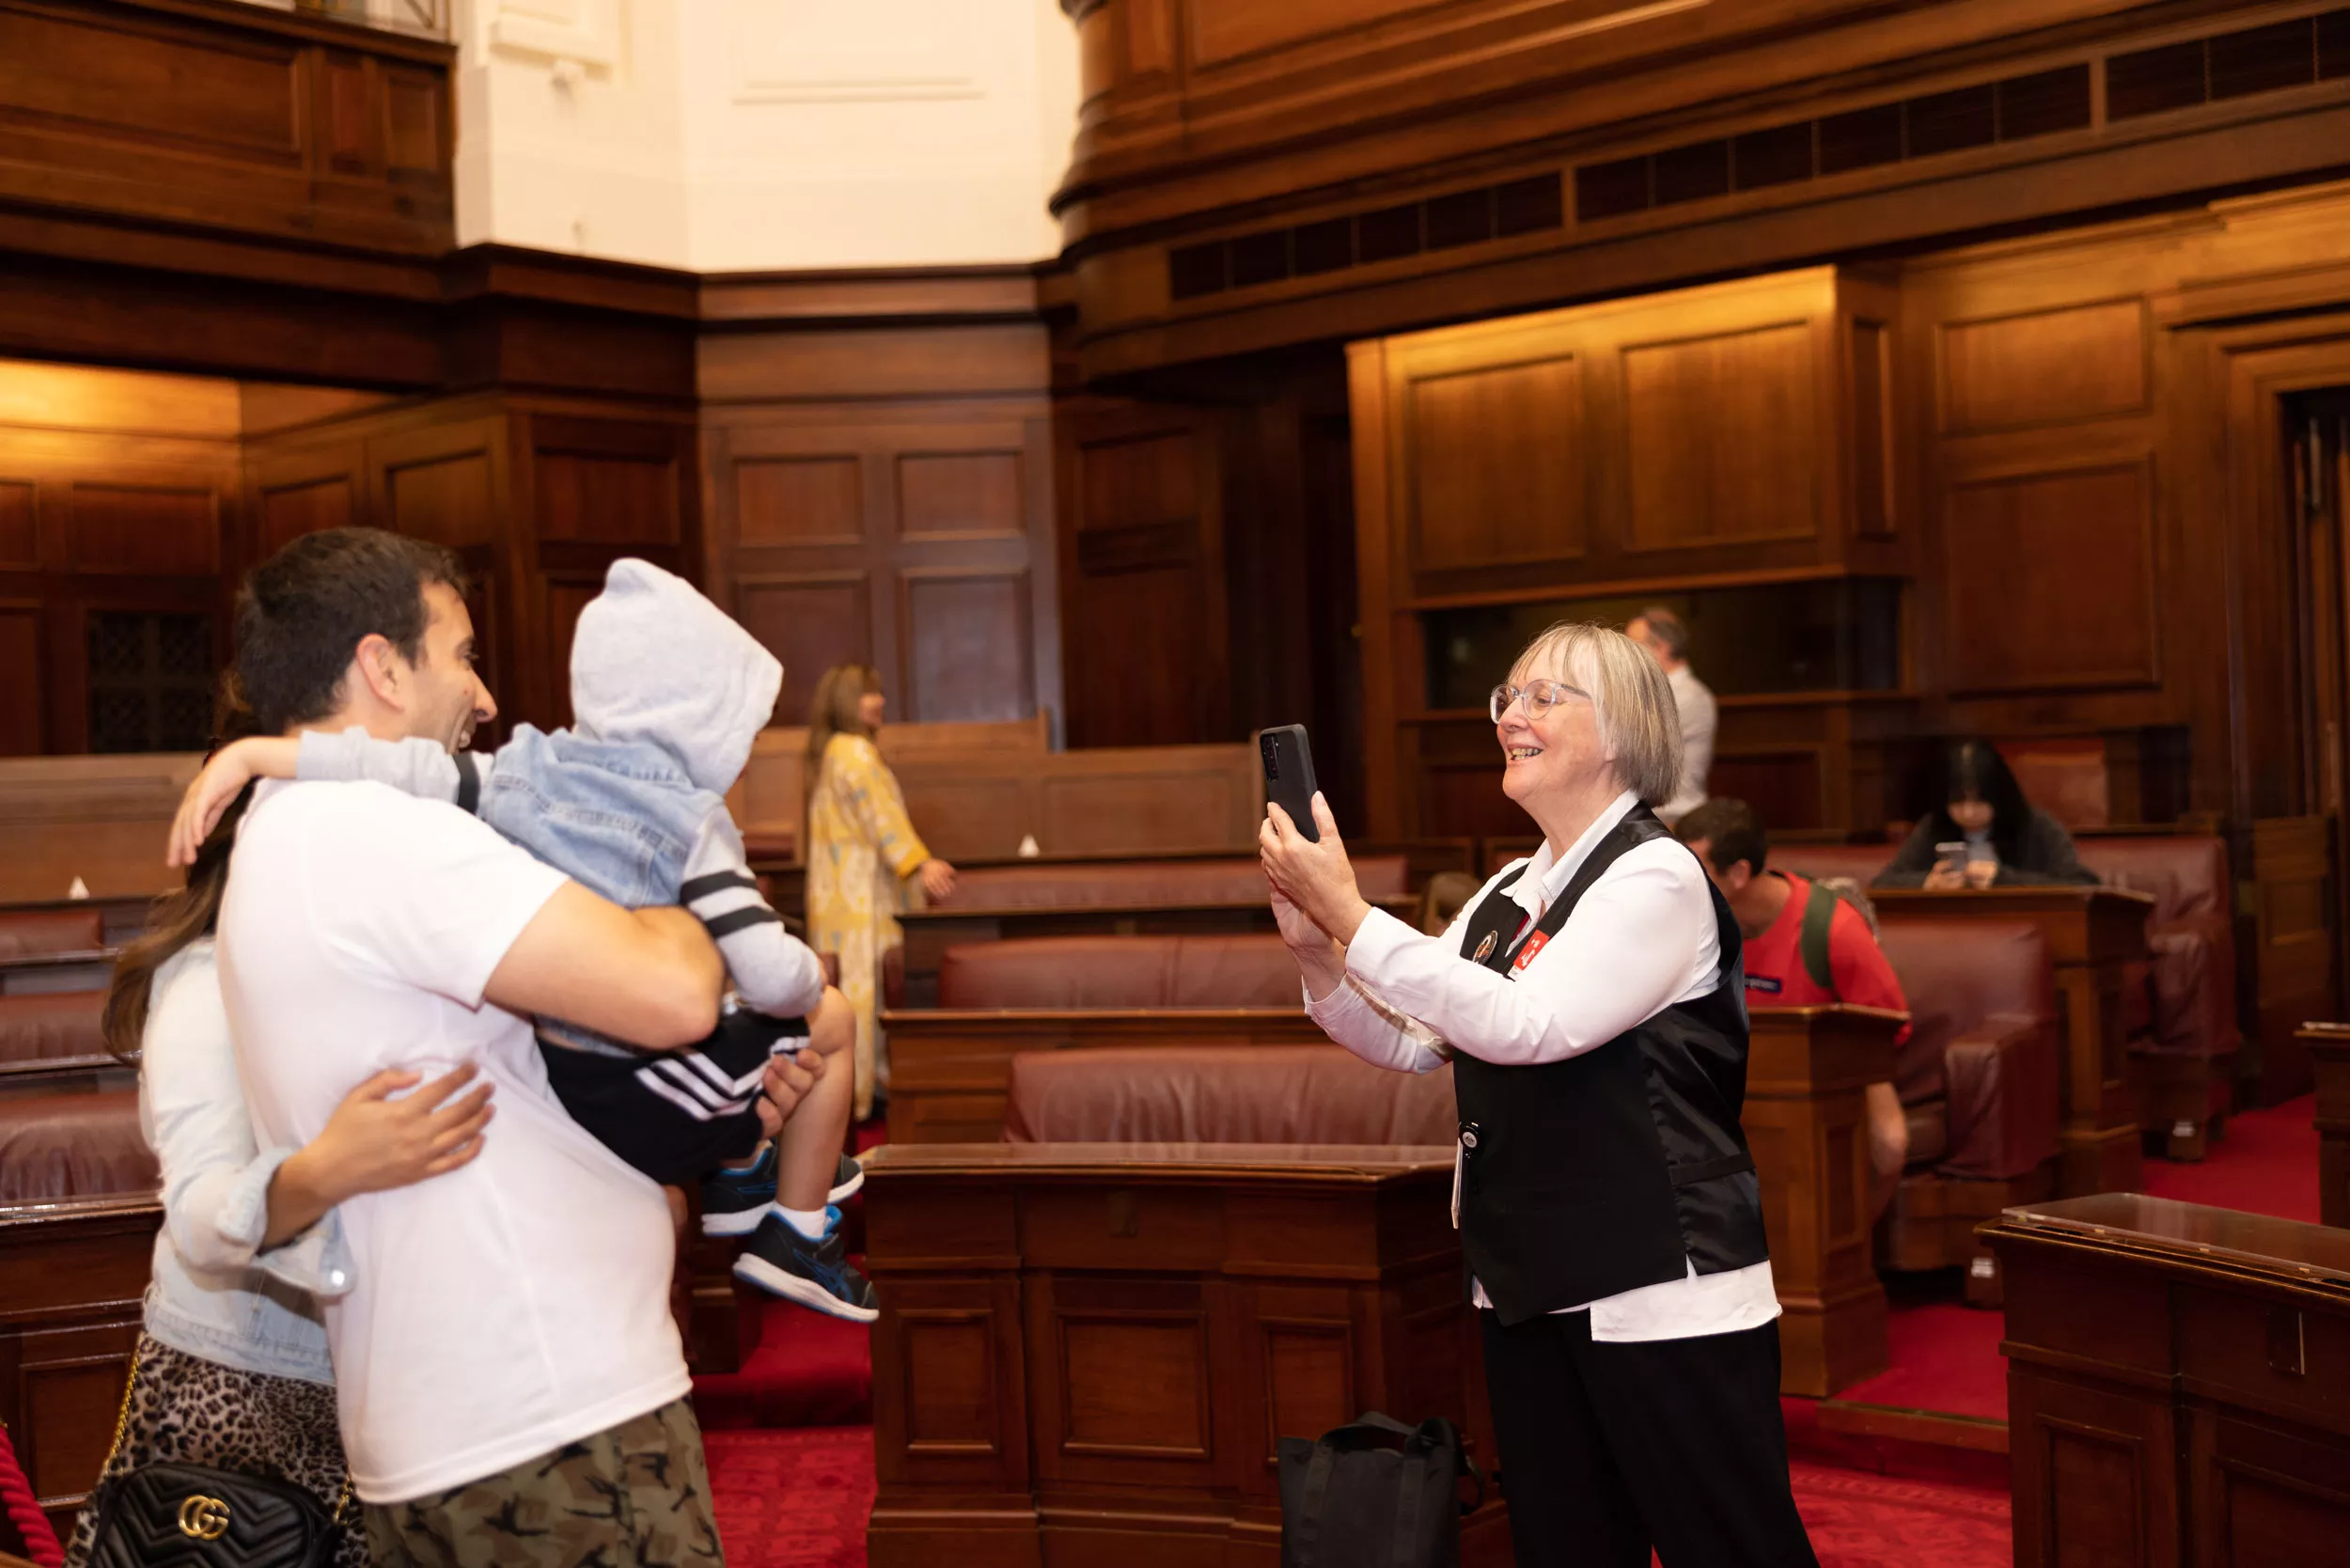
x,y
637,1496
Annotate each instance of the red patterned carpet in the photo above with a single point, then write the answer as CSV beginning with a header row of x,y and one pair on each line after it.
x,y
798,1500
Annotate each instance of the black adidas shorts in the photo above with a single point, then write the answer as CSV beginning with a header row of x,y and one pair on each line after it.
x,y
676,1115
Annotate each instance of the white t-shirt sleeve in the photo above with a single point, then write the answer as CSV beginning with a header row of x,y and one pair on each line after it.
x,y
428,895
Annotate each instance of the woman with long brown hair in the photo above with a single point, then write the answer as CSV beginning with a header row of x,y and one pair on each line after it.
x,y
231,1370
861,851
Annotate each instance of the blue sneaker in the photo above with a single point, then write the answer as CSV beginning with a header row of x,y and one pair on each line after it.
x,y
815,1274
733,1201
847,1180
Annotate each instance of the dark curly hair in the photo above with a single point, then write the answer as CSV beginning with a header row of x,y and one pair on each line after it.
x,y
302,613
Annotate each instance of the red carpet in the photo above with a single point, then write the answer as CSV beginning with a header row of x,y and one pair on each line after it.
x,y
1943,1355
799,1500
2266,1164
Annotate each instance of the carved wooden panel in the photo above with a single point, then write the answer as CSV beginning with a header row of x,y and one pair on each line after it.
x,y
443,483
967,645
1497,461
20,689
2044,368
1722,444
567,595
20,524
1310,1377
798,501
291,511
151,530
135,87
2016,549
950,1366
810,622
609,497
1144,575
960,495
243,120
1872,420
1134,1385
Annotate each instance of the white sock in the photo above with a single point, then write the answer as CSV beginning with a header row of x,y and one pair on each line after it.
x,y
810,1223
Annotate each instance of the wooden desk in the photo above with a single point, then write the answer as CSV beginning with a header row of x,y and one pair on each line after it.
x,y
930,932
1086,1351
949,1068
1806,1121
2092,932
73,1275
2329,1045
2176,1382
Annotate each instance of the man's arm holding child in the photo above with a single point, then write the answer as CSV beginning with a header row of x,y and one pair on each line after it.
x,y
652,977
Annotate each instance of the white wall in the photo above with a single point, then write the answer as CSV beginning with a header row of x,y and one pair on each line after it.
x,y
739,135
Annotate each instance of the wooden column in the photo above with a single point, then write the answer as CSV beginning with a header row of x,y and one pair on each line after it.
x,y
1806,1123
2092,934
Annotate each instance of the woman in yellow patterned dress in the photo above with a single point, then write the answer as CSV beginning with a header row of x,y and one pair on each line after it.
x,y
862,850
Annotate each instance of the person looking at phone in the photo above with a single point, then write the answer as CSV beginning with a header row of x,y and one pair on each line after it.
x,y
1982,833
1591,1000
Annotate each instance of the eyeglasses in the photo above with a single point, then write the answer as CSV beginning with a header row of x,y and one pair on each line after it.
x,y
1540,697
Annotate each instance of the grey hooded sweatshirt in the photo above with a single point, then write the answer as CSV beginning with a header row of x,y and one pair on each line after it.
x,y
667,695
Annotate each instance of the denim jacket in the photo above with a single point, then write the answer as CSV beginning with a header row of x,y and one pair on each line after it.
x,y
215,1293
619,817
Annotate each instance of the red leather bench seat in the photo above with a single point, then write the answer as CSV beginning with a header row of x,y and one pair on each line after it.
x,y
38,933
1251,970
1146,884
72,1145
2190,1005
51,1025
1979,1075
1224,1094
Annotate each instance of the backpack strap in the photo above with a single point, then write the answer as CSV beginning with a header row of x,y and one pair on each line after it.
x,y
1819,917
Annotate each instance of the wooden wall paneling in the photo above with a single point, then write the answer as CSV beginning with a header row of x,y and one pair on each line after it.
x,y
20,524
2080,519
260,123
2068,363
1143,576
1498,460
1720,449
968,637
600,489
1385,766
295,489
808,621
968,507
23,689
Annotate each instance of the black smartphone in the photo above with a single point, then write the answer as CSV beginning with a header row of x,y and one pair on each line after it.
x,y
1288,775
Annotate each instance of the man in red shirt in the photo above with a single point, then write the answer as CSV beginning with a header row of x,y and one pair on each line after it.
x,y
1790,966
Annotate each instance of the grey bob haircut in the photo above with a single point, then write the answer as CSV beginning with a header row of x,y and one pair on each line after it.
x,y
1639,723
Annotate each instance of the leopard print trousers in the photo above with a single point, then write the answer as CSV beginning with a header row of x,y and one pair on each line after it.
x,y
190,1411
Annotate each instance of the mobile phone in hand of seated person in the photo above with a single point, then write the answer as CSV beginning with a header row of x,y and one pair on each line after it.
x,y
1950,857
1289,775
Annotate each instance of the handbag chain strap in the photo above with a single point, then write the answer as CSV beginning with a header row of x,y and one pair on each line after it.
x,y
122,1428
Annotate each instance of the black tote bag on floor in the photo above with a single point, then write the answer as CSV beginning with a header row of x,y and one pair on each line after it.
x,y
1374,1494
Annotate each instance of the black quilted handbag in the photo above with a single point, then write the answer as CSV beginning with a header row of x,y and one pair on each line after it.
x,y
196,1516
175,1515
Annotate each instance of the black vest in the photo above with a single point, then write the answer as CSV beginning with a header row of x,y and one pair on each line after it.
x,y
1595,1175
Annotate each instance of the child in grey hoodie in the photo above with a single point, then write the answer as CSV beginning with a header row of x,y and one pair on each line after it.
x,y
668,695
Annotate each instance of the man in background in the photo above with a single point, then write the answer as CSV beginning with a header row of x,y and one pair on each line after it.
x,y
1805,947
1666,635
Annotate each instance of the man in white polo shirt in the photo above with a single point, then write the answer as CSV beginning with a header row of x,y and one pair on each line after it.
x,y
511,1385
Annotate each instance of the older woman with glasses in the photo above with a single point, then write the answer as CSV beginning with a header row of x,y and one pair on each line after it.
x,y
1591,1003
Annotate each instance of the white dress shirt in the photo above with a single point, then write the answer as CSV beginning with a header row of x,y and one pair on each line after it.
x,y
1699,716
1641,939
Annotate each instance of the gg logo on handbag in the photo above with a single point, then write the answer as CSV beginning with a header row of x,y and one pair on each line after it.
x,y
204,1518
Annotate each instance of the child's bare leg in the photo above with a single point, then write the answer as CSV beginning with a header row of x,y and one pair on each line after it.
x,y
807,1151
